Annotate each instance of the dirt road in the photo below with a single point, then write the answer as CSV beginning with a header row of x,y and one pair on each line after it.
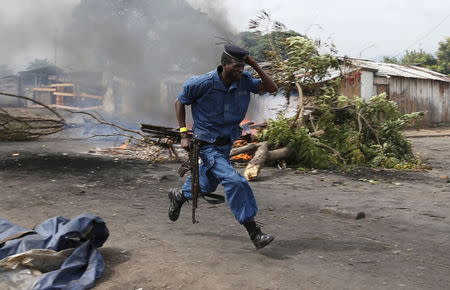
x,y
403,243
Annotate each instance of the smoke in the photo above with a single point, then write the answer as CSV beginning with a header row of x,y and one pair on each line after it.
x,y
218,15
142,43
131,35
28,29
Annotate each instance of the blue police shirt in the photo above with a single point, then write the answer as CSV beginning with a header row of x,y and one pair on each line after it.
x,y
216,110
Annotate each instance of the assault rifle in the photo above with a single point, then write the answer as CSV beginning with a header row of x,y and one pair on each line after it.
x,y
173,136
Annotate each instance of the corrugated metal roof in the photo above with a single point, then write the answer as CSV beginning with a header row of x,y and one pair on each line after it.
x,y
380,69
407,71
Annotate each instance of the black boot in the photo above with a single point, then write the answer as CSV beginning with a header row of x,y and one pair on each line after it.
x,y
259,239
176,200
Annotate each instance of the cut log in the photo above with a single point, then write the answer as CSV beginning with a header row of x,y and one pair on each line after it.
x,y
254,166
244,149
280,154
262,155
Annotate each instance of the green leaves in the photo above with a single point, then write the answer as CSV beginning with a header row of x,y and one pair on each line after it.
x,y
356,132
439,62
352,131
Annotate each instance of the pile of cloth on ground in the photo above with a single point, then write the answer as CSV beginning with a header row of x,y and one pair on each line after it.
x,y
59,253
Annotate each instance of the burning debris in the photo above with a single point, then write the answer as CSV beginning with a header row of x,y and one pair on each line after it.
x,y
146,150
241,157
159,148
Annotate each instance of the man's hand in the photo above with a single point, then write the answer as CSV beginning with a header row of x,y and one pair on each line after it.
x,y
251,61
185,140
267,84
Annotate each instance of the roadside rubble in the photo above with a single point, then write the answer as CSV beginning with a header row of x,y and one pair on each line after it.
x,y
145,151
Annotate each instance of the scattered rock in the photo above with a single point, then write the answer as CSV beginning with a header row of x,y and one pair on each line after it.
x,y
343,213
360,215
159,177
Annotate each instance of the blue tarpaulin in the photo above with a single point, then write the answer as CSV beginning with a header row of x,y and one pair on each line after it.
x,y
85,233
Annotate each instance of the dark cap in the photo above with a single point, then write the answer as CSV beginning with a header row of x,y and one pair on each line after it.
x,y
236,52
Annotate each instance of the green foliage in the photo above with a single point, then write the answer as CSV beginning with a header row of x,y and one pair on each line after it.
x,y
279,134
295,60
443,56
337,131
439,63
389,59
413,57
355,132
304,65
420,58
258,43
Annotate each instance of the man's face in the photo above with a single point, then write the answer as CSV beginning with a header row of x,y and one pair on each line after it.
x,y
234,70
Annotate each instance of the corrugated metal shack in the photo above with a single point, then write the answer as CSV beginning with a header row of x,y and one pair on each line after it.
x,y
54,87
413,88
24,82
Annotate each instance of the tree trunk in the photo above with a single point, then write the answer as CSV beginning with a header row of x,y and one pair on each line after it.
x,y
262,155
300,107
280,154
244,149
254,166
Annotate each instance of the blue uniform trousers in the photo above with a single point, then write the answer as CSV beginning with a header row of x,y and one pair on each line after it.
x,y
216,168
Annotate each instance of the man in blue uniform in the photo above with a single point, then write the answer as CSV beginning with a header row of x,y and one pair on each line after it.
x,y
219,101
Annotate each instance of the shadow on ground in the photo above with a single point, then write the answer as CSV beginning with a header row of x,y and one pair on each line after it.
x,y
113,257
285,249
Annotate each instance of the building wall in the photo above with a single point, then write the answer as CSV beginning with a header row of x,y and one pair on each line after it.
x,y
350,85
411,94
414,95
367,85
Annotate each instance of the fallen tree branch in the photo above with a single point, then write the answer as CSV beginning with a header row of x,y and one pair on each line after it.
x,y
334,151
244,149
371,128
102,121
16,128
254,165
300,107
34,101
262,155
317,133
280,154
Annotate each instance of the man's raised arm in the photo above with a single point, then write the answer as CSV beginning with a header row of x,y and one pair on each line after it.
x,y
267,83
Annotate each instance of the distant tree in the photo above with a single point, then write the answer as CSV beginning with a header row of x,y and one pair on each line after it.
x,y
38,63
253,42
419,58
389,59
5,70
443,56
258,43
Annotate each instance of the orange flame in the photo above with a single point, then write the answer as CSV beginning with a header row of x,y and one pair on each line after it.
x,y
242,157
124,146
239,143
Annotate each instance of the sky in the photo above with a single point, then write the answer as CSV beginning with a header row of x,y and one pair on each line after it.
x,y
358,28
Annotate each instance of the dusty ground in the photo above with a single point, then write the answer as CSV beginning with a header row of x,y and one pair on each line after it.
x,y
403,243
